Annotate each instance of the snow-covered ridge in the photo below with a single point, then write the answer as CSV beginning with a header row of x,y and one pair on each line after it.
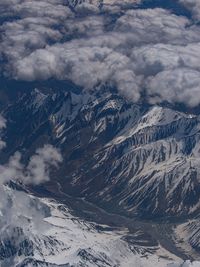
x,y
157,116
57,238
153,152
137,160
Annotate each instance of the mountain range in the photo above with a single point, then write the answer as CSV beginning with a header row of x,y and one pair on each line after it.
x,y
99,133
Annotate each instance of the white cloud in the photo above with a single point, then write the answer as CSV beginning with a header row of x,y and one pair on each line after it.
x,y
193,6
16,208
2,126
91,49
37,170
151,59
180,85
38,167
147,26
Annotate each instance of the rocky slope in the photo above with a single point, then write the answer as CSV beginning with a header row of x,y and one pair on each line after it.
x,y
131,159
48,234
134,158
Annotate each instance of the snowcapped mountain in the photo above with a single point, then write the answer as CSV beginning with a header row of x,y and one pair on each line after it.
x,y
99,133
48,233
155,158
133,159
153,152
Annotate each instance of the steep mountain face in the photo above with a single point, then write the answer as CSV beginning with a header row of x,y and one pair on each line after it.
x,y
131,158
188,233
99,133
50,235
153,166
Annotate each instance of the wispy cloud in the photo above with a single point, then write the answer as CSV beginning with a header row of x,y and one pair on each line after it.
x,y
16,208
2,126
37,170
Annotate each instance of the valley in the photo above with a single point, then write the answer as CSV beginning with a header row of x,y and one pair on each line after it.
x,y
147,234
99,133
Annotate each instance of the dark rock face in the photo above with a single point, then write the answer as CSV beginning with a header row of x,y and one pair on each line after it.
x,y
15,242
131,158
31,262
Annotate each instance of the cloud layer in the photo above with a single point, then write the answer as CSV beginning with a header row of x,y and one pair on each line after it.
x,y
140,51
193,6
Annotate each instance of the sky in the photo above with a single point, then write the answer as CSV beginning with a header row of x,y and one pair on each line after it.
x,y
151,51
